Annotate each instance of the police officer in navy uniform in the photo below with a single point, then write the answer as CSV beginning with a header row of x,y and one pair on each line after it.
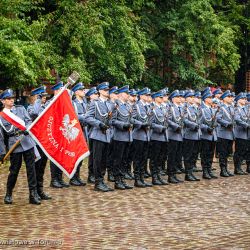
x,y
141,137
80,108
99,117
56,173
208,124
158,139
175,136
24,150
225,119
122,136
242,127
91,95
39,96
112,104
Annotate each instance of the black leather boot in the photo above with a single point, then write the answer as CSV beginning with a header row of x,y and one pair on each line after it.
x,y
138,183
163,182
42,194
111,177
205,174
118,184
189,176
155,180
172,180
177,179
195,178
145,183
100,186
238,170
8,197
55,183
62,182
126,185
212,175
223,172
91,179
229,173
74,182
78,178
34,198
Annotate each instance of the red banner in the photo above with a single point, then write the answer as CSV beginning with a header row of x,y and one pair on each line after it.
x,y
58,132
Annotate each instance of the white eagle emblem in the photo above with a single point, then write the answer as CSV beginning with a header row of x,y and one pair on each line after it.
x,y
68,130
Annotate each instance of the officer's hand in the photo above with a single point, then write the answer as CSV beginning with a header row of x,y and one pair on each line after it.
x,y
25,132
103,126
127,126
145,125
196,128
209,130
178,130
1,157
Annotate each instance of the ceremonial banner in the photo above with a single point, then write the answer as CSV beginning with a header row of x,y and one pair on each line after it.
x,y
58,132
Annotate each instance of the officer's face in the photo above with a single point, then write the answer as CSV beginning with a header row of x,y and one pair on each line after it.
x,y
80,93
176,100
94,96
242,101
113,96
228,99
165,98
209,101
8,102
159,100
104,93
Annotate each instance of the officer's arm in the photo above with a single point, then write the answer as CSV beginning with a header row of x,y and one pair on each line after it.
x,y
171,123
90,116
222,121
27,118
204,127
134,121
2,145
115,122
190,124
238,119
157,128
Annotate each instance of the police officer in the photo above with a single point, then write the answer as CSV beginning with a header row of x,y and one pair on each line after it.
x,y
191,137
122,136
175,136
141,137
56,173
112,104
39,97
158,139
225,119
208,124
129,153
24,150
98,116
242,126
91,95
79,104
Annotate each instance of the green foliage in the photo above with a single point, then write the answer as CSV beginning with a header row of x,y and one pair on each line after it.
x,y
179,43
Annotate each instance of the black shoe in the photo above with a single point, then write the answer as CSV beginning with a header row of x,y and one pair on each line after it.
x,y
239,171
163,182
108,187
101,187
111,177
182,170
91,179
44,196
131,175
55,184
178,171
146,175
172,180
63,183
195,178
156,181
74,182
8,198
139,184
119,185
178,179
146,183
128,177
229,173
33,199
126,185
223,172
189,177
212,175
82,182
206,175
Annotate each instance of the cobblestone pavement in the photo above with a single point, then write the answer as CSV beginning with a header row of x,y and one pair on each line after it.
x,y
201,215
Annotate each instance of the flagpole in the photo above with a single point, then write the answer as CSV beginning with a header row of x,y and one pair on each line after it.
x,y
71,80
